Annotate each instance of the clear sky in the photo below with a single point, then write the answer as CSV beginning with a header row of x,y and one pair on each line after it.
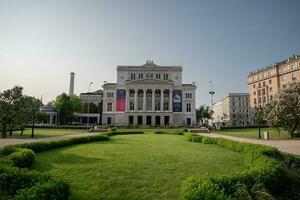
x,y
41,42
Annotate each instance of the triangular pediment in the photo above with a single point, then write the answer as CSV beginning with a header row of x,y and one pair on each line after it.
x,y
149,81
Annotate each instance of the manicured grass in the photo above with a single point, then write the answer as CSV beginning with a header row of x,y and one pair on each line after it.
x,y
253,133
45,132
146,166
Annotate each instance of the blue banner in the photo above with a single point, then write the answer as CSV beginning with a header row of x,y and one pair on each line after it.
x,y
177,101
121,100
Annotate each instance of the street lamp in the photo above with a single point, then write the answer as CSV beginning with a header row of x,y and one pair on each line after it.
x,y
88,107
258,113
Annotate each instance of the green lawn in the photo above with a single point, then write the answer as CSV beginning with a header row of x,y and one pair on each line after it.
x,y
146,166
253,133
44,132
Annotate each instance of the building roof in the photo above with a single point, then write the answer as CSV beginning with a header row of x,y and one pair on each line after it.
x,y
149,65
47,108
276,64
97,92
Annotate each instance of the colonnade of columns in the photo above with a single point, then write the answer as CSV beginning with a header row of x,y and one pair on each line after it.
x,y
162,96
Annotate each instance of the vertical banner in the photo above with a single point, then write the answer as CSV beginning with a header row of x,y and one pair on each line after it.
x,y
177,101
121,100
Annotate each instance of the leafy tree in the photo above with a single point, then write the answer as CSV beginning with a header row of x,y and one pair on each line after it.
x,y
284,109
66,105
203,113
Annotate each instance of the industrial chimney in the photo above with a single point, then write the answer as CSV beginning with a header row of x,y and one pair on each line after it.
x,y
71,91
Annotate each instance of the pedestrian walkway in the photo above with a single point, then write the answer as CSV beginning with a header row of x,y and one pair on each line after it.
x,y
9,141
287,146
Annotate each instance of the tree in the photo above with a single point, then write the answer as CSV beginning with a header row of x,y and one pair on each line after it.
x,y
284,109
66,105
203,112
12,103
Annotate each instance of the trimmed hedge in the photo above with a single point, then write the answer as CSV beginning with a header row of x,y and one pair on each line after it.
x,y
43,146
22,158
169,132
20,184
259,167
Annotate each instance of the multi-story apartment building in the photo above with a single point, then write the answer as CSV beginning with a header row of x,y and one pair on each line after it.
x,y
233,110
149,95
265,83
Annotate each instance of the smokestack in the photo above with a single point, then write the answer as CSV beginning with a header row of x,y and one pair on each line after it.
x,y
71,91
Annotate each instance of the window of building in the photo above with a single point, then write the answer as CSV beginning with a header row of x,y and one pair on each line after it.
x,y
264,99
110,94
109,106
166,76
149,75
283,86
271,97
259,85
166,105
188,95
233,110
258,92
271,89
269,73
233,116
131,105
282,69
253,85
132,76
158,76
264,84
157,105
294,76
254,100
293,66
259,100
254,93
283,78
263,92
270,81
188,107
141,76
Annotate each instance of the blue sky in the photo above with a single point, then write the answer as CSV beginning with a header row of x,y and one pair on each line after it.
x,y
41,42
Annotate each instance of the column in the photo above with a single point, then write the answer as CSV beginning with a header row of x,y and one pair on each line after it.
x,y
170,100
127,101
51,119
135,100
144,100
153,100
161,100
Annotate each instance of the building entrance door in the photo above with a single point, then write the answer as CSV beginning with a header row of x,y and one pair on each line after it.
x,y
157,120
148,120
140,120
167,120
188,121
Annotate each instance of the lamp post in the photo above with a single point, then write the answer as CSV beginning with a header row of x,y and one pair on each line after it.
x,y
88,107
258,113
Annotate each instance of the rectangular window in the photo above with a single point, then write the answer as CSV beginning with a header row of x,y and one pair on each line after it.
x,y
141,76
157,105
270,81
294,76
166,76
157,76
271,89
293,66
166,105
283,78
109,106
110,94
253,85
188,107
131,105
132,76
188,95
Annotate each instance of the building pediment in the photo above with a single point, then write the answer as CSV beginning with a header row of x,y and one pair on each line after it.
x,y
149,81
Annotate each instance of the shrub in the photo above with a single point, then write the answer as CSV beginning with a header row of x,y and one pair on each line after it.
x,y
260,167
22,158
43,146
169,132
124,132
25,184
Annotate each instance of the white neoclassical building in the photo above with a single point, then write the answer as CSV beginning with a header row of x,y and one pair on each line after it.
x,y
149,95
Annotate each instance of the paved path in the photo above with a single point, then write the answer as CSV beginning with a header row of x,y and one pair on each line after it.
x,y
287,146
9,141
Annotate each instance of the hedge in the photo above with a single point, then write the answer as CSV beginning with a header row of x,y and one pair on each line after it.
x,y
22,158
44,146
259,167
20,184
169,132
111,133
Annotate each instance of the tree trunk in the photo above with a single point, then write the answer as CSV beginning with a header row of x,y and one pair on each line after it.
x,y
22,130
10,129
4,130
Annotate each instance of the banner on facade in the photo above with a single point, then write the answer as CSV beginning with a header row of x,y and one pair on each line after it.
x,y
121,100
177,101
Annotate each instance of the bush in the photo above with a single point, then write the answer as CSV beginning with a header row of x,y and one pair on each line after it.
x,y
124,132
259,167
169,132
24,184
43,146
22,158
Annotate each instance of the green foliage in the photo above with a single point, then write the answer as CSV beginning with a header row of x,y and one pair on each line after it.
x,y
22,157
67,105
203,112
17,183
260,167
111,133
44,146
169,132
41,117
